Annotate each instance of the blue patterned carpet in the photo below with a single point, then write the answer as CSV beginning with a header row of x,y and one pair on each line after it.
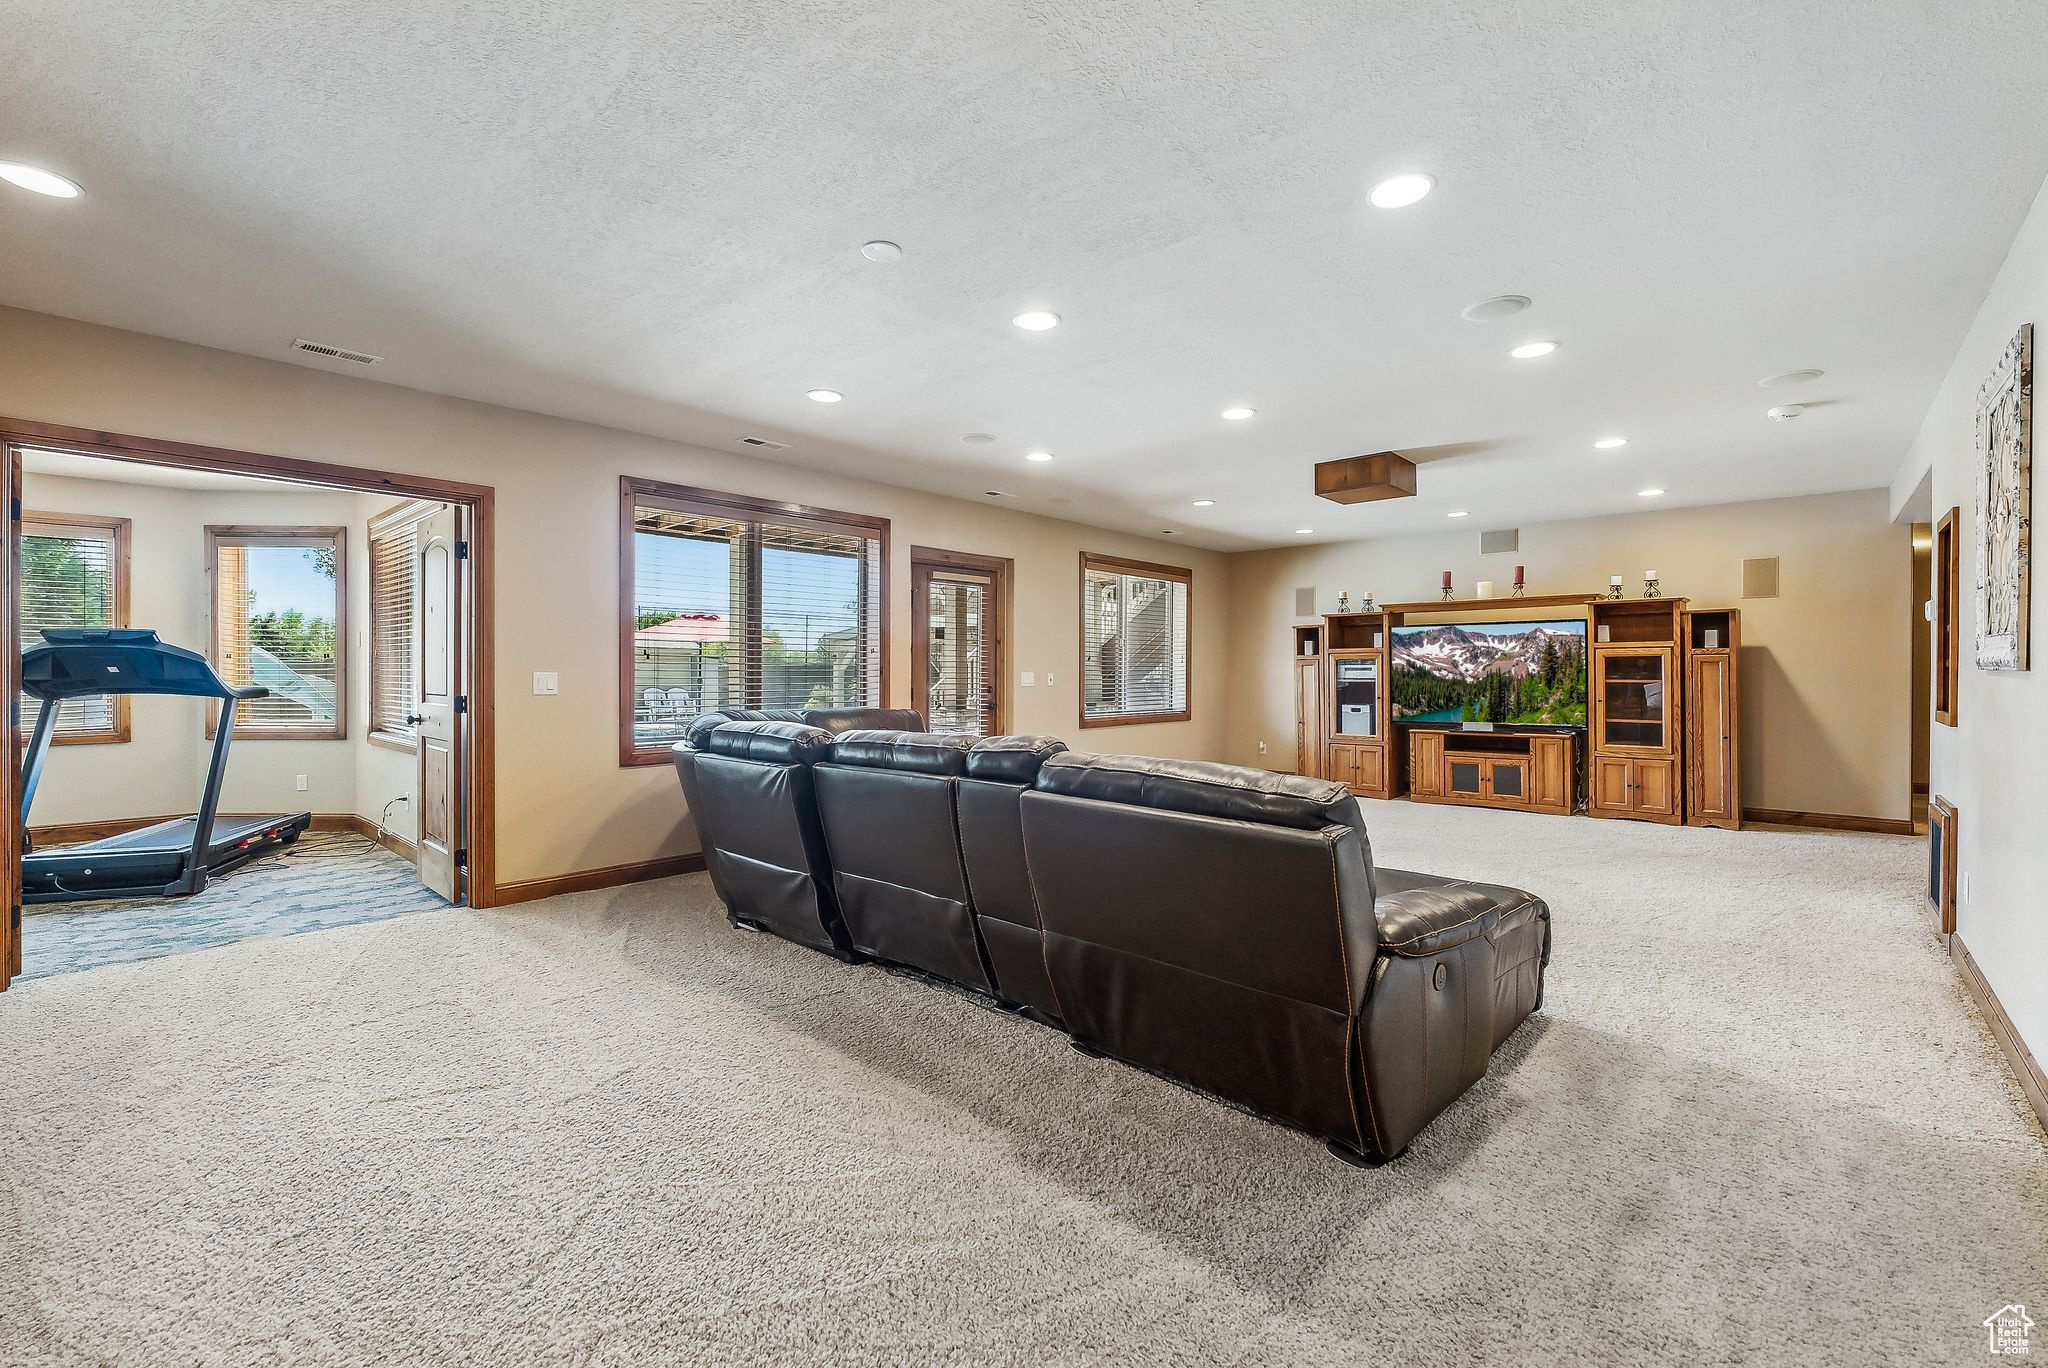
x,y
326,879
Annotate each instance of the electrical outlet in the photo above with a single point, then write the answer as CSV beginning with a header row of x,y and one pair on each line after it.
x,y
1048,679
1262,748
302,783
546,683
1029,678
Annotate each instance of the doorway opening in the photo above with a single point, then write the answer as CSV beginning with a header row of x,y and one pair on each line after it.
x,y
243,694
961,605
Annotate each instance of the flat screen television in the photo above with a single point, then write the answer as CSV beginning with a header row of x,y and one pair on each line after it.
x,y
1512,674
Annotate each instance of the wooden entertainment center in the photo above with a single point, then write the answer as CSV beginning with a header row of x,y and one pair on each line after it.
x,y
1661,741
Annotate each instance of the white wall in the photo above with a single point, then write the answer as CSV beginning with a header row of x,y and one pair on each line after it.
x,y
1991,764
159,771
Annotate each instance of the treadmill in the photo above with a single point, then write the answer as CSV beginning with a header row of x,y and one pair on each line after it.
x,y
171,859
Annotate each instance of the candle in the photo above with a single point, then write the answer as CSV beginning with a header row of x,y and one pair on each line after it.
x,y
1649,574
1614,579
1518,575
1447,579
1486,589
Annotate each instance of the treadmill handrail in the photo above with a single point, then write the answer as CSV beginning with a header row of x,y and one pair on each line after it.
x,y
86,662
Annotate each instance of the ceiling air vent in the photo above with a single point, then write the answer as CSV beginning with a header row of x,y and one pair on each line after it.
x,y
336,353
764,444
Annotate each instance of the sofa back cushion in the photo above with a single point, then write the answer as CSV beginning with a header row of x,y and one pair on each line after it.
x,y
1000,770
886,801
759,812
1228,950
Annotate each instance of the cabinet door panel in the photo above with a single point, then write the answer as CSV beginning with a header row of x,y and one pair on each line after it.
x,y
1507,781
1425,765
1613,785
1656,787
1632,703
1710,792
1371,768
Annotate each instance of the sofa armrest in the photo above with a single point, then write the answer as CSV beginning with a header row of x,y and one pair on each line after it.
x,y
1426,921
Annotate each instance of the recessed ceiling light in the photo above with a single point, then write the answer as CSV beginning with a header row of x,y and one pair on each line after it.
x,y
1040,456
824,396
1798,377
1165,531
1205,503
1649,493
1238,415
879,250
978,438
1529,351
1459,513
1494,309
1784,413
1304,531
41,181
1610,443
995,493
1037,320
1398,192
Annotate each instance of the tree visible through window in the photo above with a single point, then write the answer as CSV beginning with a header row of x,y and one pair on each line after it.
x,y
278,622
74,573
1134,641
736,603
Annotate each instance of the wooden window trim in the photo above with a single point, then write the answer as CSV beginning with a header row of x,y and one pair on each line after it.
x,y
637,492
1000,570
237,535
407,514
121,532
1122,565
1946,576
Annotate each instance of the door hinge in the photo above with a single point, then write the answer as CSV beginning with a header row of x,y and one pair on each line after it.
x,y
462,703
462,550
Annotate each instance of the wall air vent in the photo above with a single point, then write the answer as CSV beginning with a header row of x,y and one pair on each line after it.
x,y
1760,578
1305,602
336,353
1506,539
764,444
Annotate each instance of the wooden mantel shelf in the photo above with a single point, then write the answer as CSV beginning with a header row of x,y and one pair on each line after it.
x,y
1460,605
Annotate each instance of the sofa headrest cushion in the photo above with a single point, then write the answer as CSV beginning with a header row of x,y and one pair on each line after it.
x,y
705,723
912,752
836,720
1199,786
775,743
1011,759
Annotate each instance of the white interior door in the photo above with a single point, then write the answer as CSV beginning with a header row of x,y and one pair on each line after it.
x,y
437,707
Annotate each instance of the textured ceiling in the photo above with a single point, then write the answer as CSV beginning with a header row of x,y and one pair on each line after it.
x,y
649,216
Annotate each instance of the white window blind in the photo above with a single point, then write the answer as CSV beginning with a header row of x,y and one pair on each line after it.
x,y
71,576
1134,641
394,622
278,622
739,607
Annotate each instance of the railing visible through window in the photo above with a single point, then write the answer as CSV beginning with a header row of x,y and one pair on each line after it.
x,y
74,573
279,621
733,603
1134,641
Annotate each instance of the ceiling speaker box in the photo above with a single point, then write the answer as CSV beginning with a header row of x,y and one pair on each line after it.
x,y
1366,479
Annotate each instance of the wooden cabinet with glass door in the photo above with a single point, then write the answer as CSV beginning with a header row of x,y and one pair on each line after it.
x,y
1637,713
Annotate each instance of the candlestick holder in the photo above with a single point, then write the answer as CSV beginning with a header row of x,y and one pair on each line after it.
x,y
1367,606
1447,593
1614,590
1650,588
1518,590
1344,602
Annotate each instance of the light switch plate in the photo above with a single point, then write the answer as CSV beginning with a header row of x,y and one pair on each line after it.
x,y
546,683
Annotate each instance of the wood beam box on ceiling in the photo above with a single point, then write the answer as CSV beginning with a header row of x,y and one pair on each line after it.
x,y
1366,479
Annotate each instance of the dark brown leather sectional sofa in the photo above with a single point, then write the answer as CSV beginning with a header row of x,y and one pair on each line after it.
x,y
1221,926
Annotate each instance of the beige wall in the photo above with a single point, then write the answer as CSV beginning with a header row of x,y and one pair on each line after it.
x,y
1990,765
159,771
1826,667
563,801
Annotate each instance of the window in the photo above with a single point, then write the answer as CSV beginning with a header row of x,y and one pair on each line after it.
x,y
1134,641
280,622
74,573
394,626
731,602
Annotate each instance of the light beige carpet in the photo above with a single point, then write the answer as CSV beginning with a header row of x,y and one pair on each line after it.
x,y
1756,1123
